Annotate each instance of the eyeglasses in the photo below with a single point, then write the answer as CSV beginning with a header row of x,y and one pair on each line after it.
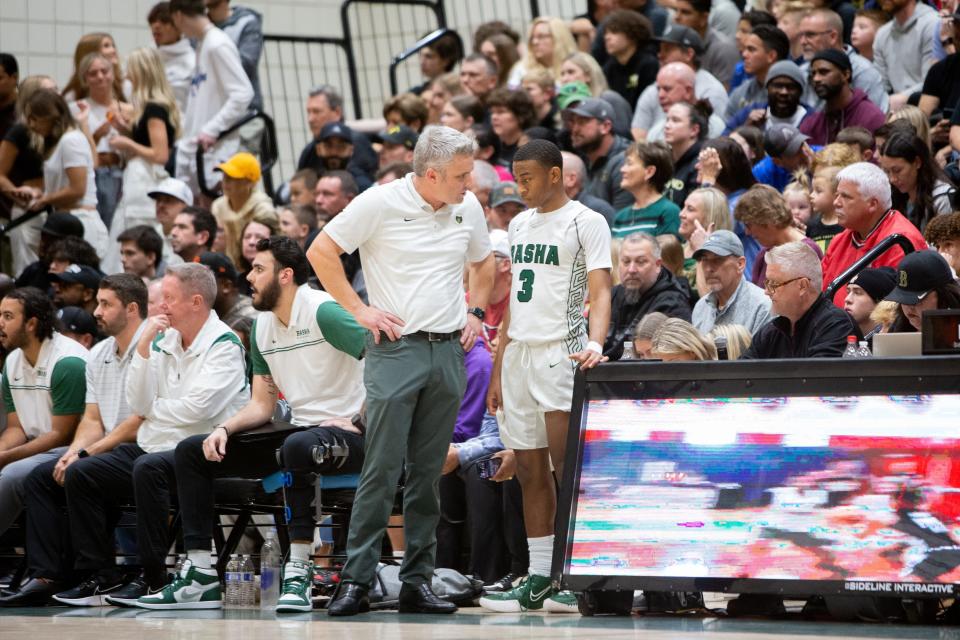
x,y
772,285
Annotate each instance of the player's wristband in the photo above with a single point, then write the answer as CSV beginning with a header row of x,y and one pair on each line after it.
x,y
595,347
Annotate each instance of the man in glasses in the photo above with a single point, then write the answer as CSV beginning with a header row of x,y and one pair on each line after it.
x,y
809,325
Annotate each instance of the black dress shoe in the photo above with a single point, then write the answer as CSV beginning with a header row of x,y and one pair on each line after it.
x,y
422,599
33,593
351,599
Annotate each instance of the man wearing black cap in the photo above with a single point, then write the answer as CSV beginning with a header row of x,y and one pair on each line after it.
x,y
76,286
335,152
864,291
57,225
677,44
230,304
924,282
77,324
397,144
787,152
830,74
591,132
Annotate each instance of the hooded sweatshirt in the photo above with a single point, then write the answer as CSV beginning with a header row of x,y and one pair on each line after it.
x,y
245,28
179,61
258,207
823,126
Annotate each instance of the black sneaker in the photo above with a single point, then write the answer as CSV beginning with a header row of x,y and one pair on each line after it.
x,y
503,584
128,594
89,593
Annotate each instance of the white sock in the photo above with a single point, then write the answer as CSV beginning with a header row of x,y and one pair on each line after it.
x,y
541,555
200,558
300,551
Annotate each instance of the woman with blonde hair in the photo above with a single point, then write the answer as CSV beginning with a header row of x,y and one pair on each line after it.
x,y
737,336
22,166
582,67
99,111
916,117
97,42
549,42
677,340
704,211
149,126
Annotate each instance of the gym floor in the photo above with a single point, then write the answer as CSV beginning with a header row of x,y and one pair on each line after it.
x,y
58,623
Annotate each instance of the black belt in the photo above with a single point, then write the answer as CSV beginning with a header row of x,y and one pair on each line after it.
x,y
433,336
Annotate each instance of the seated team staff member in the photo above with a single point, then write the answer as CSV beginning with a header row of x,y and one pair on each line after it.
x,y
308,347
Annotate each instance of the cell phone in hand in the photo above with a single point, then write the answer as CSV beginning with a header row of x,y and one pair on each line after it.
x,y
489,467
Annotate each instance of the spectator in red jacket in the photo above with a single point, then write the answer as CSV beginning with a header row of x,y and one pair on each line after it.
x,y
831,73
863,209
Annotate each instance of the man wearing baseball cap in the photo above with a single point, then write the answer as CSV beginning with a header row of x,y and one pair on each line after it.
x,y
844,106
335,152
677,44
732,298
505,204
397,144
230,304
787,151
785,83
170,197
57,225
78,324
76,286
591,132
924,282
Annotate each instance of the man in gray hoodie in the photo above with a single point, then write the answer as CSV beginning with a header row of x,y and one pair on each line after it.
x,y
903,48
245,28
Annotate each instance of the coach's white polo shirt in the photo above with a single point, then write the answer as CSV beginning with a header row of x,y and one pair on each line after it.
x,y
107,379
413,257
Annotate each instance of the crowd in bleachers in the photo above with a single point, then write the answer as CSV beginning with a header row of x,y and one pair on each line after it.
x,y
742,156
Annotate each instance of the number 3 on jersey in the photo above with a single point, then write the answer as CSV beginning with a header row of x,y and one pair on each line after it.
x,y
526,291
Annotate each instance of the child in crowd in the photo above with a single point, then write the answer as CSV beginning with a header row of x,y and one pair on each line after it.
x,y
865,26
827,163
797,196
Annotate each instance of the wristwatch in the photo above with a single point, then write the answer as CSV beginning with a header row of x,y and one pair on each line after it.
x,y
83,453
478,312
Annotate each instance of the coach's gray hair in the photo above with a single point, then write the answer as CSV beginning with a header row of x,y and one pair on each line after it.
x,y
437,146
641,236
196,279
484,175
798,260
334,99
871,182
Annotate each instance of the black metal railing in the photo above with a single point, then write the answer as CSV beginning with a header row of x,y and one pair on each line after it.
x,y
895,240
424,42
267,152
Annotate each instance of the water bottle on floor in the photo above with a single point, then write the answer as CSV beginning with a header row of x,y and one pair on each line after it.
x,y
231,598
270,561
248,592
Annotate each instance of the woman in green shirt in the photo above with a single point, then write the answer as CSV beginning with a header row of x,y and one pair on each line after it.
x,y
646,169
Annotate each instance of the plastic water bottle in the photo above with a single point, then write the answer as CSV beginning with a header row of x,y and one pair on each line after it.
x,y
851,350
864,350
232,575
248,590
628,351
270,571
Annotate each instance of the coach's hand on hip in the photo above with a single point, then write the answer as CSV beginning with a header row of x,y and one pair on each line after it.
x,y
377,320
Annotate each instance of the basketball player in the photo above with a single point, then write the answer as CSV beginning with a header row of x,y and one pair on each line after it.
x,y
560,248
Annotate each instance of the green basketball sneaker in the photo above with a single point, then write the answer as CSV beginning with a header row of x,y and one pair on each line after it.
x,y
192,588
529,595
296,588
